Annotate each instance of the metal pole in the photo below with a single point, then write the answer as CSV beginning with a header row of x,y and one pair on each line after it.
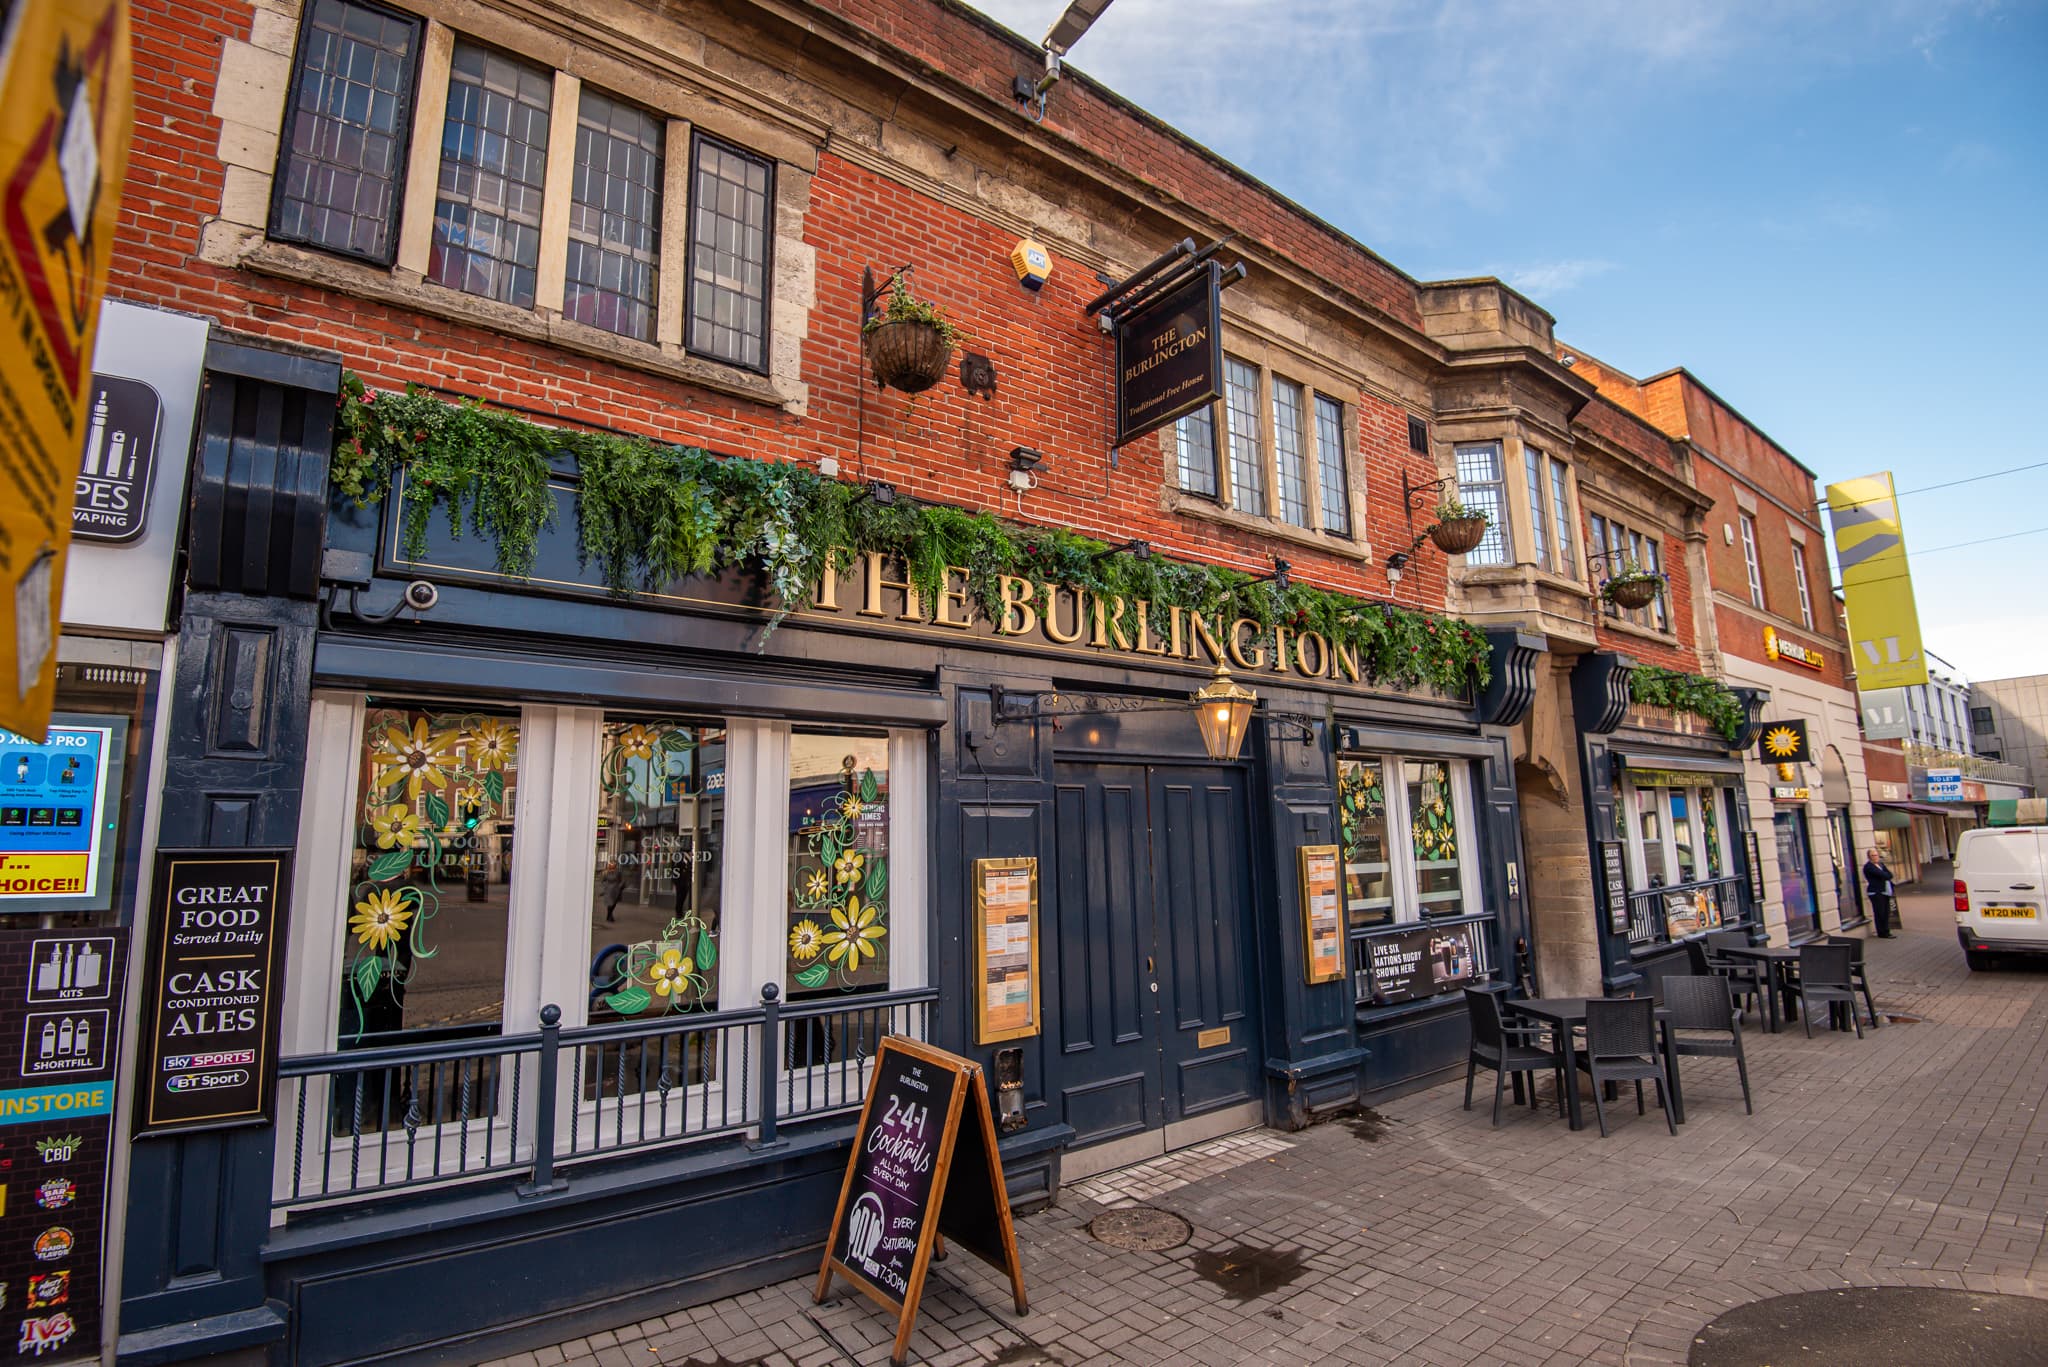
x,y
544,1179
771,1056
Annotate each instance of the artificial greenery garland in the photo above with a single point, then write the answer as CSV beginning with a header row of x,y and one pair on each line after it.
x,y
1705,698
649,514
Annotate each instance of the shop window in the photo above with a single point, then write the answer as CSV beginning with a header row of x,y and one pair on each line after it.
x,y
347,124
494,159
428,908
1710,832
614,217
1482,487
731,226
1676,836
1433,824
1362,825
838,923
1654,862
1682,835
1429,875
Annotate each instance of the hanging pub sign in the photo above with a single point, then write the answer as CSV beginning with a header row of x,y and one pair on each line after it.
x,y
1784,742
1169,356
214,992
924,1166
60,1013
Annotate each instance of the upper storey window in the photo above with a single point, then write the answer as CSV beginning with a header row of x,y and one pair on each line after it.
x,y
729,235
1273,448
494,171
614,218
1482,487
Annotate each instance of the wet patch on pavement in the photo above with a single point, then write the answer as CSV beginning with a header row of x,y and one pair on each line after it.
x,y
1244,1272
1925,1326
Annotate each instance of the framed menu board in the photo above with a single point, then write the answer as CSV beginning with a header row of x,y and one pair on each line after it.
x,y
1322,916
1614,876
1005,949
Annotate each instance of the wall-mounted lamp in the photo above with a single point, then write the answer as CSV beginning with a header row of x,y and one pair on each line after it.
x,y
1134,548
1223,712
1397,562
1024,460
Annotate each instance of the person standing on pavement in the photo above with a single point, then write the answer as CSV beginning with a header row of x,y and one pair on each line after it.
x,y
1877,881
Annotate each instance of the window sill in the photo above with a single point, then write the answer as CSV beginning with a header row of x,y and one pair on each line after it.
x,y
250,250
1180,501
1666,639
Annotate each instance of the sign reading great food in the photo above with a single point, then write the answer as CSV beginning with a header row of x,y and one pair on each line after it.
x,y
60,1006
1169,356
210,1008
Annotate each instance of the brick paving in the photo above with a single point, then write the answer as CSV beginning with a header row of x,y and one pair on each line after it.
x,y
1418,1234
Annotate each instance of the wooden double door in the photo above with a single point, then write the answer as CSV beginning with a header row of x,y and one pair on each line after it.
x,y
1153,1017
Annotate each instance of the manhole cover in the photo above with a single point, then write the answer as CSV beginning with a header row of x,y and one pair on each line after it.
x,y
1140,1227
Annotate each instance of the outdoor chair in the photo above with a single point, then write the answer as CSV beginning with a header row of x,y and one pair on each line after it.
x,y
1745,977
1858,973
1701,1004
1826,979
1507,1048
1621,1046
1696,957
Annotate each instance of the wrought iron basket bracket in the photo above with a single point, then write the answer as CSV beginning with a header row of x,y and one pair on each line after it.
x,y
1408,493
1299,726
871,291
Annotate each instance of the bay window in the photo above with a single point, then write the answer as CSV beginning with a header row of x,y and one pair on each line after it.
x,y
1482,487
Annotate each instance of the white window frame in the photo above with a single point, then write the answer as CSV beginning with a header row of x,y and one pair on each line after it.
x,y
1498,546
1404,876
1749,559
1799,578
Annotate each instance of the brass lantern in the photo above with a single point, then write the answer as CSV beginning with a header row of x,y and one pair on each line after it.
x,y
1223,709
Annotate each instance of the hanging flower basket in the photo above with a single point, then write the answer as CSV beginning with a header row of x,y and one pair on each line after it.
x,y
1635,591
1457,535
909,356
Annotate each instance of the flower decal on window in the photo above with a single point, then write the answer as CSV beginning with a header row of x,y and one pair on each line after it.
x,y
420,757
397,827
842,872
855,931
493,744
847,868
805,940
671,973
381,918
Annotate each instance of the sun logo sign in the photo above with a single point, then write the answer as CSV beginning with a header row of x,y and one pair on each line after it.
x,y
1785,742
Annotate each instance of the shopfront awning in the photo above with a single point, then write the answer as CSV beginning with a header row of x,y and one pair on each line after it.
x,y
1645,762
1962,811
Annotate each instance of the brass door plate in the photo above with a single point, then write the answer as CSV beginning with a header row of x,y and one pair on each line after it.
x,y
1209,1039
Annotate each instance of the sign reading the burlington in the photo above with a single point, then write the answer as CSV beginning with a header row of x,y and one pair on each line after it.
x,y
210,1010
1169,357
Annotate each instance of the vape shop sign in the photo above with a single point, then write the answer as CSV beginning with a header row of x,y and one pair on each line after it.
x,y
211,1004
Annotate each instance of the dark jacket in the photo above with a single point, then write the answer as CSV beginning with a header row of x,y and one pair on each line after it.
x,y
1877,879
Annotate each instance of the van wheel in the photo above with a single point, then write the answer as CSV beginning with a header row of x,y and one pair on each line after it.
x,y
1979,960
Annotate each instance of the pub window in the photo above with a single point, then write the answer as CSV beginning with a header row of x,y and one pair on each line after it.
x,y
731,226
1799,578
428,905
346,128
614,217
1195,447
839,923
1675,837
1482,487
494,155
1331,465
1389,880
1247,456
1289,455
1539,529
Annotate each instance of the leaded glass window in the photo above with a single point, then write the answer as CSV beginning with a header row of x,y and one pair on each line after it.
x,y
494,157
731,194
1482,487
1195,448
1247,452
614,217
1330,466
346,130
1560,503
1289,452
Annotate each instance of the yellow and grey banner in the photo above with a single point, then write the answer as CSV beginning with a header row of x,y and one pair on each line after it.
x,y
1884,623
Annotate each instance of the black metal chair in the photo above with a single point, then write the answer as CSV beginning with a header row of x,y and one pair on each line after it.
x,y
1745,977
1621,1046
1700,1003
1696,958
1859,974
1826,977
1505,1047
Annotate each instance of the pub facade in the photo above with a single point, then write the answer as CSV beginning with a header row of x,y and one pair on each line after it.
x,y
660,692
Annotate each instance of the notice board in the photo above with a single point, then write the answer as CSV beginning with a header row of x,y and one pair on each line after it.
x,y
1005,949
1322,919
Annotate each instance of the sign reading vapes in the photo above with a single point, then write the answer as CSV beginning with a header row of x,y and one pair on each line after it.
x,y
211,1005
60,1006
112,499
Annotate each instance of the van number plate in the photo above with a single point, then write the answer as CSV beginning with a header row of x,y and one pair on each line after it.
x,y
2009,913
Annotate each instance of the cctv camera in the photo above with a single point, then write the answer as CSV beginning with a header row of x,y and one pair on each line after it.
x,y
421,596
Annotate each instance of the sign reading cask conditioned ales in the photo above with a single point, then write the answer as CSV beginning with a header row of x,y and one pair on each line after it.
x,y
214,993
921,1167
1614,875
1169,356
60,1013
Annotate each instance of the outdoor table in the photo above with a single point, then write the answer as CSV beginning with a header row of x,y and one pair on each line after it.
x,y
1568,1015
1774,959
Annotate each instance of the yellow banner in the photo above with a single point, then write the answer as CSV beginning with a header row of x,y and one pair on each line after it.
x,y
44,875
63,157
1884,623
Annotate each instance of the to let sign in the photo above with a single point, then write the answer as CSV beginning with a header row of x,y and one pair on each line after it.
x,y
1169,356
210,1009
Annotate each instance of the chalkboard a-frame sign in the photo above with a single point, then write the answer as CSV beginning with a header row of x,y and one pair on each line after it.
x,y
922,1171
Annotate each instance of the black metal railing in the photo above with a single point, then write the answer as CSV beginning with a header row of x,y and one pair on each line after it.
x,y
1687,908
371,1121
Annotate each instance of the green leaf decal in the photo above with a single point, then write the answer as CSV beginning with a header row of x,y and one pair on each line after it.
x,y
677,740
707,950
389,865
494,787
828,850
369,971
869,789
878,879
629,1001
815,975
437,809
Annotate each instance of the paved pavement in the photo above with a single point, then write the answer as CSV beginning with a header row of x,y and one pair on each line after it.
x,y
1418,1234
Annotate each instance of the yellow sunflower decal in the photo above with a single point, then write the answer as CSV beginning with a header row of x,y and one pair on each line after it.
x,y
847,868
850,807
815,886
493,744
671,973
381,918
805,940
419,756
854,933
397,827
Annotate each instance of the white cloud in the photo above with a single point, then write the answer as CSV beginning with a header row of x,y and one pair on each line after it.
x,y
2000,648
1550,278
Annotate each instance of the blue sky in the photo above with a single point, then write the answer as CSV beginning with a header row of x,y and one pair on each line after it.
x,y
1833,211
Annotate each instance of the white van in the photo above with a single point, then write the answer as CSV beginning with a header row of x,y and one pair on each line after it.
x,y
2002,892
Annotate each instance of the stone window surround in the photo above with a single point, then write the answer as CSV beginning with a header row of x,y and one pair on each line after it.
x,y
1449,434
1631,521
249,101
1271,357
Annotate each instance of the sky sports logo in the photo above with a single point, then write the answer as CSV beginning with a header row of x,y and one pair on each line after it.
x,y
178,1063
